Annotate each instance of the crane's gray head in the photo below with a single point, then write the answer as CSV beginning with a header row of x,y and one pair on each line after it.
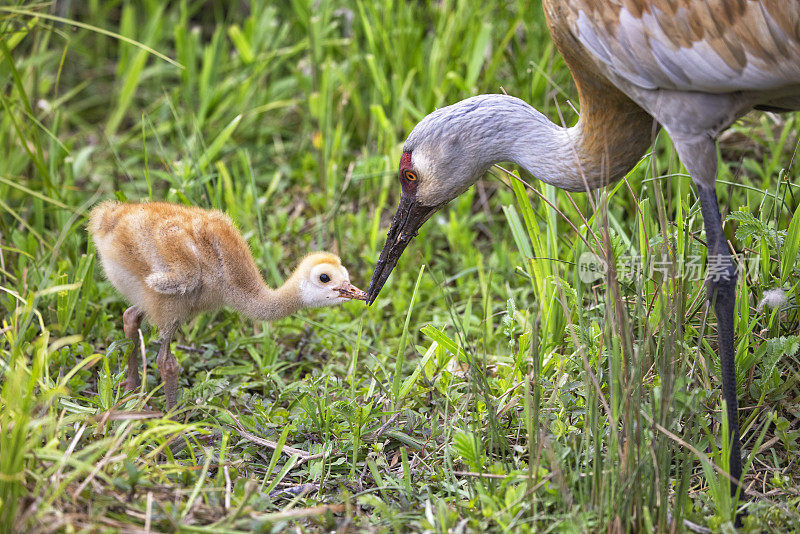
x,y
445,154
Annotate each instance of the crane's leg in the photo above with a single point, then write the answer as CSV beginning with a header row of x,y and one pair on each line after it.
x,y
168,367
131,322
699,155
721,285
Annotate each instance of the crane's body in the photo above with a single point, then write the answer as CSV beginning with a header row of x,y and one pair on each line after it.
x,y
173,262
694,66
690,66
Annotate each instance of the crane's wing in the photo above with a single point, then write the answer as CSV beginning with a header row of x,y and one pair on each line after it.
x,y
692,45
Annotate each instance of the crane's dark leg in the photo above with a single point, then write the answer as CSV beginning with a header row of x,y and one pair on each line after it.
x,y
721,285
699,154
131,322
168,367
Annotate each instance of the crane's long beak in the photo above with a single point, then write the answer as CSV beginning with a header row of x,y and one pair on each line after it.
x,y
408,218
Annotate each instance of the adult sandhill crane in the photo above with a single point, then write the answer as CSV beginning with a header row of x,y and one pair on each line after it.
x,y
173,262
690,66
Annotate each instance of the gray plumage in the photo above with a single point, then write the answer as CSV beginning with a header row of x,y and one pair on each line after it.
x,y
689,66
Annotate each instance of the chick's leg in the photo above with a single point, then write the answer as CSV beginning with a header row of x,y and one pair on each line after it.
x,y
131,322
168,367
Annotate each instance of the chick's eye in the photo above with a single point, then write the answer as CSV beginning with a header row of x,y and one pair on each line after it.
x,y
411,176
324,278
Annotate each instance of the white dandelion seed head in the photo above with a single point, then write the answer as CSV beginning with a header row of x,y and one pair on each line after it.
x,y
773,298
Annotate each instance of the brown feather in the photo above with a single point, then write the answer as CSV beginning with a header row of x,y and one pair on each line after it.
x,y
614,126
615,131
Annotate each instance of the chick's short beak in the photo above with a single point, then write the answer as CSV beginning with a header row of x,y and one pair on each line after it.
x,y
349,291
410,215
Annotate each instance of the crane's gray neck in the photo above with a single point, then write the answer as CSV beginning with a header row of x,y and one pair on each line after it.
x,y
549,152
457,144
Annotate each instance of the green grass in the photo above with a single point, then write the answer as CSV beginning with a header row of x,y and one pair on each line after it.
x,y
489,387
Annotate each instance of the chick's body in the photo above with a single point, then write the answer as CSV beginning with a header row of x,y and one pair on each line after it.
x,y
172,262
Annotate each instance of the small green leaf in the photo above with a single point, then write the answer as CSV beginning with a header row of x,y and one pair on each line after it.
x,y
790,246
240,42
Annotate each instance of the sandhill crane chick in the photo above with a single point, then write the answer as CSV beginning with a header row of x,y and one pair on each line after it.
x,y
173,262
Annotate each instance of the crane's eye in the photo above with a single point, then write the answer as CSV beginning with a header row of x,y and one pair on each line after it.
x,y
324,278
411,176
